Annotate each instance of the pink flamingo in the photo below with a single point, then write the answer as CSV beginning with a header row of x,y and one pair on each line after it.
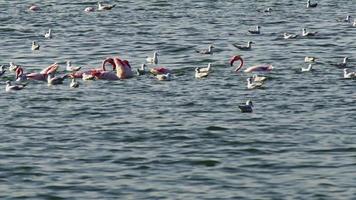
x,y
159,70
122,68
42,76
262,67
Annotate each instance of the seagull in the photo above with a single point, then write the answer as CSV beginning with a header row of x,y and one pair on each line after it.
x,y
71,68
48,34
246,108
257,31
311,5
289,36
55,80
154,59
267,10
206,51
349,75
306,33
142,70
105,7
343,64
253,85
309,59
74,83
3,70
12,67
248,47
10,87
308,69
205,69
354,24
89,9
164,77
260,79
346,20
35,46
200,74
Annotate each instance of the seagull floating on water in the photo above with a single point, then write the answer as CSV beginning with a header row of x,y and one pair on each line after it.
x,y
12,67
256,31
247,107
55,80
253,85
10,87
71,68
256,78
89,9
201,74
142,70
105,7
309,59
308,69
311,5
35,46
48,34
349,75
307,33
154,59
247,47
164,77
74,83
267,10
354,24
343,64
289,36
206,51
346,20
2,70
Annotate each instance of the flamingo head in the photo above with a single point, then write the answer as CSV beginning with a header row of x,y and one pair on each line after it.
x,y
235,58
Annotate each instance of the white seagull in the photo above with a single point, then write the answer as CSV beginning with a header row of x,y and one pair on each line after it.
x,y
154,59
206,51
253,85
257,78
71,68
349,75
311,5
246,108
308,69
142,70
48,34
164,77
10,87
74,83
105,7
257,31
309,59
3,70
241,47
289,36
200,74
307,33
343,64
35,46
12,67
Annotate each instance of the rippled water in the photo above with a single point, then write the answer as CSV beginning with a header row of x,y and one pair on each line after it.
x,y
183,139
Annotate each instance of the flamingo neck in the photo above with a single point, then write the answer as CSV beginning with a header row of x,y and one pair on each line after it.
x,y
241,64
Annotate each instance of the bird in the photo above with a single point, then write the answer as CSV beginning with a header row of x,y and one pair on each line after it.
x,y
206,51
164,77
306,33
205,69
310,59
12,67
289,36
71,68
354,24
200,74
35,46
55,80
349,75
48,34
343,64
34,8
311,5
142,70
247,107
267,10
154,59
20,76
105,7
253,85
89,9
248,47
10,87
256,31
346,20
256,78
2,70
74,83
308,69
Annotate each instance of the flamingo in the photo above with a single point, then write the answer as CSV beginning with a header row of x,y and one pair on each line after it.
x,y
159,70
42,76
262,67
247,107
19,75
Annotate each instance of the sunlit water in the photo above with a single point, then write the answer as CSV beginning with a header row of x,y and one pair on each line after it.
x,y
183,139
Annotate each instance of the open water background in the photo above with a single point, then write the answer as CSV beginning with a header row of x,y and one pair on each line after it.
x,y
183,139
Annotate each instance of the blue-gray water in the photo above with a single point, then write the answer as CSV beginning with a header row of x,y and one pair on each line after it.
x,y
183,139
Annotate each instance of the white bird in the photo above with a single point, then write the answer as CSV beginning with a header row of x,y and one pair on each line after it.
x,y
247,47
142,70
308,69
74,83
349,75
154,59
48,34
71,68
343,64
311,5
256,31
164,77
309,59
346,20
35,46
89,9
200,74
10,87
253,85
354,24
289,36
88,76
246,108
55,80
259,78
205,69
105,7
307,33
206,51
12,67
3,70
267,10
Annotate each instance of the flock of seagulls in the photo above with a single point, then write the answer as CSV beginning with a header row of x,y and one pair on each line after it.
x,y
121,69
